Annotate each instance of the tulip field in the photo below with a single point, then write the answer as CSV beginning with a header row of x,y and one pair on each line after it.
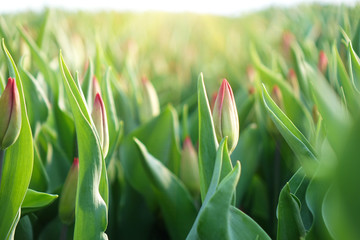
x,y
180,126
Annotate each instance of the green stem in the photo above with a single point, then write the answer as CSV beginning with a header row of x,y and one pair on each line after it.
x,y
2,154
64,230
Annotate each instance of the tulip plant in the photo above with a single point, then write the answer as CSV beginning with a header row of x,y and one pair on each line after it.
x,y
90,148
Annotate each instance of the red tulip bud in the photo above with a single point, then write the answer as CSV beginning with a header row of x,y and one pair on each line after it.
x,y
100,121
10,114
225,116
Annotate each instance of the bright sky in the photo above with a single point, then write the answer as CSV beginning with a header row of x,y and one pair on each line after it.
x,y
222,7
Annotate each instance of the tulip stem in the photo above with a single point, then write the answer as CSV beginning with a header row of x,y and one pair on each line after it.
x,y
2,154
63,235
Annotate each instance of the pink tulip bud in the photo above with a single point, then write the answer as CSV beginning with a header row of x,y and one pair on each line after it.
x,y
225,116
68,194
323,62
149,106
100,121
10,115
189,168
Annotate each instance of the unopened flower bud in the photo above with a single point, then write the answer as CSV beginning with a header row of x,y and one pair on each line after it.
x,y
250,72
149,106
10,115
189,168
294,82
323,62
226,120
287,39
100,121
277,97
68,194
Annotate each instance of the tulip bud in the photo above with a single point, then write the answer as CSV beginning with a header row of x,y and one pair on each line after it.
x,y
277,96
189,168
225,116
250,72
149,107
287,39
10,115
68,194
100,121
251,90
323,62
294,82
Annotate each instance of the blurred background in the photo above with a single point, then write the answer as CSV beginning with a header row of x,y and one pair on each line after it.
x,y
225,7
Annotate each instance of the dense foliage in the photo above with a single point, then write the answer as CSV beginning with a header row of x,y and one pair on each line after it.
x,y
111,126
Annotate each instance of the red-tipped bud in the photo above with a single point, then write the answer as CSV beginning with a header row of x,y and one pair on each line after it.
x,y
10,114
226,120
149,106
323,62
189,168
68,195
294,82
277,96
100,121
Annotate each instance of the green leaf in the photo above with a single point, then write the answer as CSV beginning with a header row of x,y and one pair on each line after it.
x,y
296,140
290,225
164,146
351,95
42,62
174,200
36,100
87,84
244,227
217,219
24,230
92,192
354,65
294,109
330,107
39,178
35,200
248,152
115,130
18,163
